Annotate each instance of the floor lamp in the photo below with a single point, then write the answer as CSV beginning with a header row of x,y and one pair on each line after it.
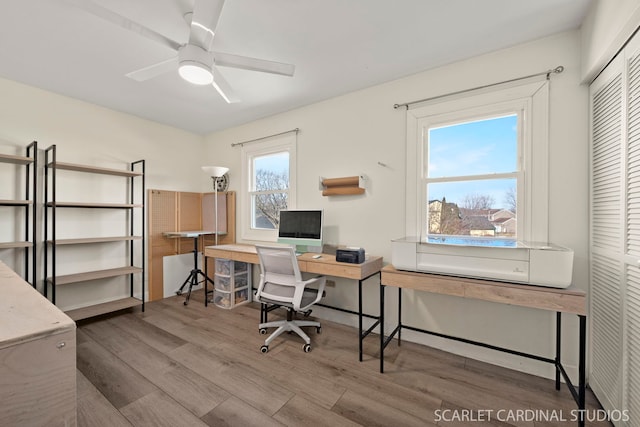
x,y
216,173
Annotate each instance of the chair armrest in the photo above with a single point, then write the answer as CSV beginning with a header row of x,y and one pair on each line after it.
x,y
321,281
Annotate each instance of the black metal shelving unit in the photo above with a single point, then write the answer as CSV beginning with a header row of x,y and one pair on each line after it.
x,y
28,203
136,214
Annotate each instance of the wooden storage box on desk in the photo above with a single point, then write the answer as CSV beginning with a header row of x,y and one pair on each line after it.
x,y
37,357
232,283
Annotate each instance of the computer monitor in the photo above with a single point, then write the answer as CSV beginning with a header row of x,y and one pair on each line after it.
x,y
302,228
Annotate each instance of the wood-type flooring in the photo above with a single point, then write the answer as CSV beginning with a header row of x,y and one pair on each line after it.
x,y
177,365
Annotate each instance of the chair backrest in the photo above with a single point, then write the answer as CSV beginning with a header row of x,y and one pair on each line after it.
x,y
280,260
279,273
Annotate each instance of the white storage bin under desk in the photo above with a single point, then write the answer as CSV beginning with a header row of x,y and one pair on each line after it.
x,y
232,283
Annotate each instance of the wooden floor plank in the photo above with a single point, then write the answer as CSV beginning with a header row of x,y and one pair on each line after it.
x,y
148,333
159,410
117,381
368,412
94,409
235,412
301,412
196,365
260,392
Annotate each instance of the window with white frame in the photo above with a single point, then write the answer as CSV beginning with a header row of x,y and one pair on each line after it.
x,y
477,166
268,185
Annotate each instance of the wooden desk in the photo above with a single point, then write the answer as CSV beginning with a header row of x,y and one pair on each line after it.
x,y
325,265
569,300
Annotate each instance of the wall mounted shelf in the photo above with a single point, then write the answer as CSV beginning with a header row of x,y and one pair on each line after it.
x,y
350,185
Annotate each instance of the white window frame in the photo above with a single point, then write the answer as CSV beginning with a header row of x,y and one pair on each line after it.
x,y
279,144
530,101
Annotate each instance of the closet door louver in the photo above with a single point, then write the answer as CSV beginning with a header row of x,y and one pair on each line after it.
x,y
633,159
632,291
606,240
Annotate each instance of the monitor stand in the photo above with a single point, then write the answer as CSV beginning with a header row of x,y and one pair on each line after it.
x,y
303,249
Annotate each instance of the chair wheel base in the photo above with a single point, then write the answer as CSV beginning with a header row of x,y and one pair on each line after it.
x,y
307,348
264,349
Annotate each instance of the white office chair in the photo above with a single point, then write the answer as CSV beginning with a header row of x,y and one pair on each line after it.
x,y
281,284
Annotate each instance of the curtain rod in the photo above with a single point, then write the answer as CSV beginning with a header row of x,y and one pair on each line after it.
x,y
556,70
296,130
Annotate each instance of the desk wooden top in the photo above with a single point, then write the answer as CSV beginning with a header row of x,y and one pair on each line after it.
x,y
563,300
326,264
26,315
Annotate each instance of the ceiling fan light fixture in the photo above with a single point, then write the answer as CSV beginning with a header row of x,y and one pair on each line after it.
x,y
195,65
195,73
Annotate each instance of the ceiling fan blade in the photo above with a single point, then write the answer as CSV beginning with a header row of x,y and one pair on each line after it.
x,y
122,21
154,70
253,64
223,88
204,21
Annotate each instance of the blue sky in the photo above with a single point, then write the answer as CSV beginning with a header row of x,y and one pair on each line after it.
x,y
278,162
473,148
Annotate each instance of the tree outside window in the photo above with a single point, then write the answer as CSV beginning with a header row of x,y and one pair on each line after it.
x,y
270,189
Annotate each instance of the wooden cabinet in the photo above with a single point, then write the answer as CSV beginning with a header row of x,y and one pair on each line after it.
x,y
37,357
131,243
25,202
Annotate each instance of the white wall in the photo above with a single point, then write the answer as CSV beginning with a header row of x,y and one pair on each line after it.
x,y
607,26
353,134
87,134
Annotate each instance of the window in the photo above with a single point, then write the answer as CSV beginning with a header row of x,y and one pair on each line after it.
x,y
471,176
477,166
268,186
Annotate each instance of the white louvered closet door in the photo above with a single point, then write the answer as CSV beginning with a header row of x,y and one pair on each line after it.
x,y
632,294
607,194
615,236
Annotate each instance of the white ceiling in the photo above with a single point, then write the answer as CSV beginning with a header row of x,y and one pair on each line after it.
x,y
337,46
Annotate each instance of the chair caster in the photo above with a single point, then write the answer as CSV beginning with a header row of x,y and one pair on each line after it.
x,y
264,349
178,293
319,330
186,303
263,331
307,348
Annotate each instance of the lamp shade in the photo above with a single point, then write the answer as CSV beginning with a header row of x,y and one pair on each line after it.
x,y
215,171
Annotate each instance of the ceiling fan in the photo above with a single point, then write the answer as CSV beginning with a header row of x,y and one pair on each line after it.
x,y
195,60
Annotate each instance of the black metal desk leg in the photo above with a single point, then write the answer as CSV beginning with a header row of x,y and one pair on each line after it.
x,y
399,316
206,284
360,318
582,367
381,328
558,347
